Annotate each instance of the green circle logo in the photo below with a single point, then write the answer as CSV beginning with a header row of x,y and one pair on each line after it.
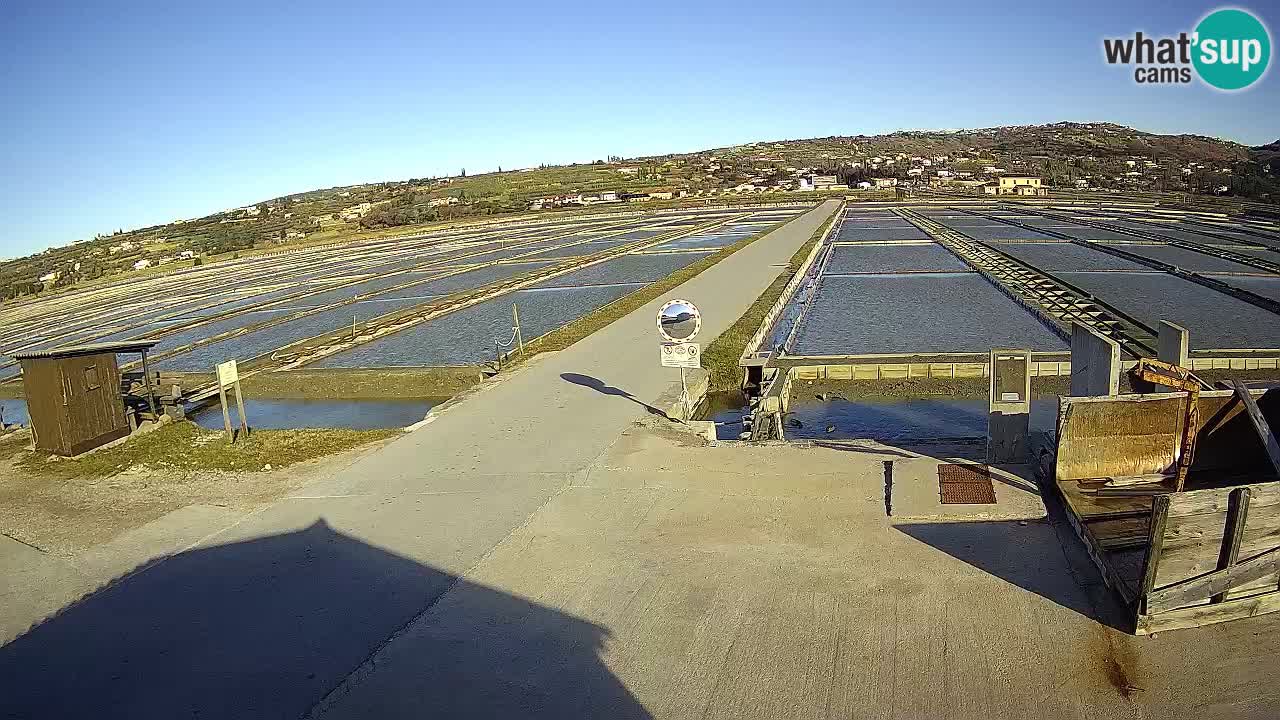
x,y
1232,49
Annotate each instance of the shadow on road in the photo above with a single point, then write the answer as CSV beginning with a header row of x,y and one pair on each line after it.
x,y
1030,556
600,387
269,626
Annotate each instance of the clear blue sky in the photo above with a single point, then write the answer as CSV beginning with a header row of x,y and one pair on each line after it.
x,y
121,115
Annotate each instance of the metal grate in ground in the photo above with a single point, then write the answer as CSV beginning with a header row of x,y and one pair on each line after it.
x,y
965,485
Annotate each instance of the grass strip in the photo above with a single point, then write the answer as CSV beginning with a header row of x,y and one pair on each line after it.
x,y
187,446
721,356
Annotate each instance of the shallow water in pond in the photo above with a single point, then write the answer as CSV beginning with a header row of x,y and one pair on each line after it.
x,y
882,420
297,414
13,411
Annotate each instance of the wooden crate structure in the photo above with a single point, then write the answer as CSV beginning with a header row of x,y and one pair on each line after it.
x,y
1205,555
74,397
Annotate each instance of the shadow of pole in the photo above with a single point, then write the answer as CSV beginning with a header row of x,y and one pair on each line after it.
x,y
601,387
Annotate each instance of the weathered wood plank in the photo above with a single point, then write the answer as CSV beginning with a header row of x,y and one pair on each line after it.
x,y
1237,513
1200,502
1090,507
1140,434
1155,542
1193,545
1260,424
1125,587
1197,589
1119,533
1195,616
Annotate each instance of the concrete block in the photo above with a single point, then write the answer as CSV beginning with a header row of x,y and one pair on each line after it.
x,y
1173,343
1095,363
1009,406
1172,346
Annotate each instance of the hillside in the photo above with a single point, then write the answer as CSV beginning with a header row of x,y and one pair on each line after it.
x,y
1101,155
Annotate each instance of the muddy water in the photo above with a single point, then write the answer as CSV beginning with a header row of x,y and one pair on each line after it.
x,y
296,414
13,411
901,420
885,420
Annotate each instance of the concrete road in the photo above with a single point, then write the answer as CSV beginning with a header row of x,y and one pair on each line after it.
x,y
675,581
270,617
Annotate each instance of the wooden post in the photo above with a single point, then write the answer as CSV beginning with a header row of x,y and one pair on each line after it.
x,y
1155,543
1233,533
228,375
226,416
146,380
244,424
1260,425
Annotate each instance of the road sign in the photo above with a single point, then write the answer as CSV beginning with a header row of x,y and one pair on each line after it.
x,y
681,355
679,321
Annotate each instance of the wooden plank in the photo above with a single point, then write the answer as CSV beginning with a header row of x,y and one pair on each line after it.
x,y
1260,425
1091,507
1112,579
1140,434
1155,536
1189,592
1218,500
1130,480
1188,560
1197,525
1237,513
1119,533
1199,615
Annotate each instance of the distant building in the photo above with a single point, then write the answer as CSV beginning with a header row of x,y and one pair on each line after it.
x,y
823,182
1025,185
884,182
804,183
142,264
